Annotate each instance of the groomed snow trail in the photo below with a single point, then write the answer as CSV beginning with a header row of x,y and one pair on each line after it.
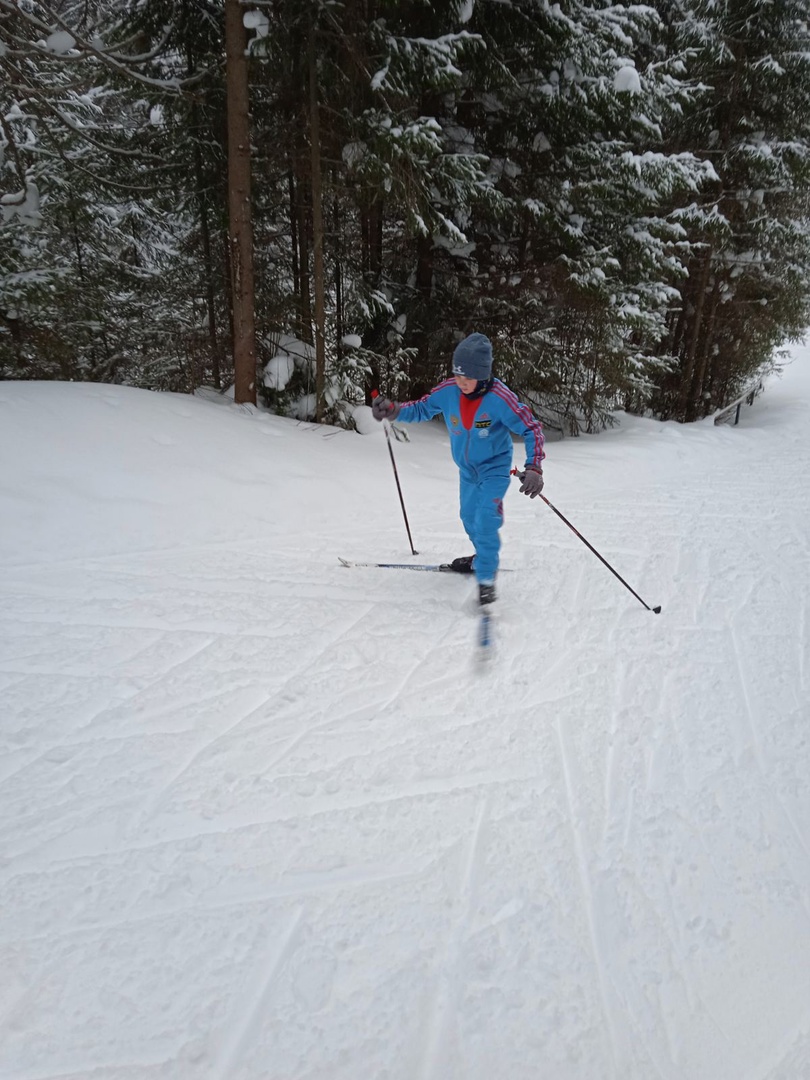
x,y
262,817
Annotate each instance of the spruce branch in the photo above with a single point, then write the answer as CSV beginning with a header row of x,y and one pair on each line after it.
x,y
111,58
15,153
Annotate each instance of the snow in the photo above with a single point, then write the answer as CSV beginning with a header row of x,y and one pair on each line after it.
x,y
627,81
258,21
60,42
23,205
279,371
465,10
303,408
353,153
364,422
263,817
379,78
301,351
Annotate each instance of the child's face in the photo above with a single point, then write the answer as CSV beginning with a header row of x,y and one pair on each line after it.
x,y
466,386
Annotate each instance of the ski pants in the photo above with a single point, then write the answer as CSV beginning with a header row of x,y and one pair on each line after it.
x,y
482,516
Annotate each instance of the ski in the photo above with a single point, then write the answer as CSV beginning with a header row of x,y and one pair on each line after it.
x,y
485,639
485,632
429,568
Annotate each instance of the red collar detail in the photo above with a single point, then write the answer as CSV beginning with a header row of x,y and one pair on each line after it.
x,y
468,410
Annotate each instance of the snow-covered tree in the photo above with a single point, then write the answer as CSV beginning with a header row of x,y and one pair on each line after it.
x,y
88,230
570,103
749,281
615,194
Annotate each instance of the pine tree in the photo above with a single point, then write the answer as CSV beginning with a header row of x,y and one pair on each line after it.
x,y
89,232
749,281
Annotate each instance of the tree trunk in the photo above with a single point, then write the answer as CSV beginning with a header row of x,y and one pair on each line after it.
x,y
338,254
701,381
208,265
686,407
317,232
302,232
677,320
296,273
239,211
205,233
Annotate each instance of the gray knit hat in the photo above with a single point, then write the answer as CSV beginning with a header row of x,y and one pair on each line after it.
x,y
472,358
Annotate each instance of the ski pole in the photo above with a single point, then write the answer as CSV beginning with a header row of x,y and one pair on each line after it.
x,y
562,517
387,428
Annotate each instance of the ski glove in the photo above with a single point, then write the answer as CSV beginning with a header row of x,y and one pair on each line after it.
x,y
532,482
383,409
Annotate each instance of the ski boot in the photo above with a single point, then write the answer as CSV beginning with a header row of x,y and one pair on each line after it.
x,y
486,593
463,565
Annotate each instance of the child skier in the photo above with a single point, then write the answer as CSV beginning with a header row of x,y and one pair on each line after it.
x,y
479,412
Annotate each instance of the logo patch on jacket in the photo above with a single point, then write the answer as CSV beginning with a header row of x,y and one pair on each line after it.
x,y
454,420
483,422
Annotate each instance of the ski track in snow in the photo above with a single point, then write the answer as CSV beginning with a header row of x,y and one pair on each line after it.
x,y
442,1003
266,818
248,1013
617,1052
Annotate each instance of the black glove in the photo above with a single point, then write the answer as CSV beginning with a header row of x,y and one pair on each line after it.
x,y
383,409
532,482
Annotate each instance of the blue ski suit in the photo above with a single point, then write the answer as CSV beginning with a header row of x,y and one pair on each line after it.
x,y
481,445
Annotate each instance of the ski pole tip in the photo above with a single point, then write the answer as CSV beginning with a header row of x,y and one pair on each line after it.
x,y
657,610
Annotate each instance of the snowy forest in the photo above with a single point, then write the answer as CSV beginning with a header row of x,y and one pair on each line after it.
x,y
302,200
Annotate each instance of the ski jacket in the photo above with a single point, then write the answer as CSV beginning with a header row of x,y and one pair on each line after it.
x,y
484,448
